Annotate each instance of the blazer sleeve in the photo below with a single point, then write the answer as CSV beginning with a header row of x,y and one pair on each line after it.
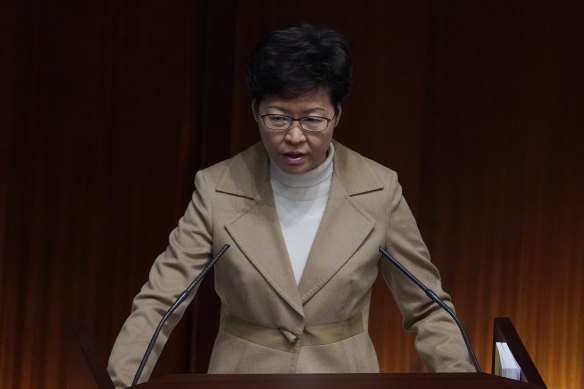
x,y
188,251
438,340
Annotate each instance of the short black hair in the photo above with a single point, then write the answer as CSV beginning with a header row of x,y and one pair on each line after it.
x,y
298,59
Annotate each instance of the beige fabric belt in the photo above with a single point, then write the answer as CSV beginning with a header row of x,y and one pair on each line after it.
x,y
282,339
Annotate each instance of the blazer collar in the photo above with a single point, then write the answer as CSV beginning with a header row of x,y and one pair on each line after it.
x,y
257,232
248,172
354,171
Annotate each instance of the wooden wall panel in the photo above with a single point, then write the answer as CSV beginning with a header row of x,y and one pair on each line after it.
x,y
502,168
98,133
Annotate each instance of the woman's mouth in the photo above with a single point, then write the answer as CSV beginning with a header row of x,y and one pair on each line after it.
x,y
294,158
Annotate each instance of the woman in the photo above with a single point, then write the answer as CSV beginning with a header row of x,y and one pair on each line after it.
x,y
304,217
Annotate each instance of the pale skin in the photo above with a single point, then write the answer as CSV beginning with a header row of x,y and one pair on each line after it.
x,y
295,150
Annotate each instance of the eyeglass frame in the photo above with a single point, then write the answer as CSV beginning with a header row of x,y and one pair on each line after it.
x,y
292,120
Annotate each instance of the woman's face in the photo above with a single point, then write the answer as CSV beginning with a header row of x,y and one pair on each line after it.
x,y
295,150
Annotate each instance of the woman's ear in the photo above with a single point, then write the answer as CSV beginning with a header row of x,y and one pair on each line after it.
x,y
338,114
254,110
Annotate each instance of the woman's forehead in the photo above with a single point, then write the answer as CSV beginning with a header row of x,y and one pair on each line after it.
x,y
317,100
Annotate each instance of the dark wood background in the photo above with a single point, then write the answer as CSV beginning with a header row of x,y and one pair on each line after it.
x,y
108,108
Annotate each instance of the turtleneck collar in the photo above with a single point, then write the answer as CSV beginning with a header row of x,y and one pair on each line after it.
x,y
304,180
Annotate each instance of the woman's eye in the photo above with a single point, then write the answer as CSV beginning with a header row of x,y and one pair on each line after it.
x,y
313,120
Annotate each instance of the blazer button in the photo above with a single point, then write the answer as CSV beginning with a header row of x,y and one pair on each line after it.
x,y
290,337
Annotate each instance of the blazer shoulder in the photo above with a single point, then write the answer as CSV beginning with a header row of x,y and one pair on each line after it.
x,y
360,174
241,174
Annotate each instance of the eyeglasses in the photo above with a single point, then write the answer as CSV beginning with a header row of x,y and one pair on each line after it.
x,y
309,123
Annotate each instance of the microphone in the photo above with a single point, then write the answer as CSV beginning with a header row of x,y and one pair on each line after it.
x,y
178,301
434,297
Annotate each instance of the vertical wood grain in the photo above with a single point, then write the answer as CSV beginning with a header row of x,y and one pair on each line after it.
x,y
502,162
98,128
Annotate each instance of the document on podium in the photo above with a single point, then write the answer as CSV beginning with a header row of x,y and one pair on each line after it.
x,y
505,363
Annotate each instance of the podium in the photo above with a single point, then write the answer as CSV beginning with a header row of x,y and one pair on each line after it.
x,y
335,381
503,331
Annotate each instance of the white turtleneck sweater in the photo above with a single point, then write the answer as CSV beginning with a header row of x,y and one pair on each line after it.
x,y
300,202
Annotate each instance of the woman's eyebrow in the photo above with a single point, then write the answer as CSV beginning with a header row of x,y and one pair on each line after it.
x,y
308,110
315,109
278,108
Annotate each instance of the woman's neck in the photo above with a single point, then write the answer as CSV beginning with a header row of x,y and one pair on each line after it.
x,y
304,180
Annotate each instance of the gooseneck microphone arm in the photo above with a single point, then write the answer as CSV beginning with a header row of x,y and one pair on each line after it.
x,y
434,297
178,302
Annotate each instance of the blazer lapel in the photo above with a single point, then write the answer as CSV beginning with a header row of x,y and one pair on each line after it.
x,y
344,225
257,230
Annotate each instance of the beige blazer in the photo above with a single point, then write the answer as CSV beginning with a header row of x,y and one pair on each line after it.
x,y
269,323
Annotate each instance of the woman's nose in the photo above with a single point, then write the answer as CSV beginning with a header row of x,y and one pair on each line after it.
x,y
295,134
